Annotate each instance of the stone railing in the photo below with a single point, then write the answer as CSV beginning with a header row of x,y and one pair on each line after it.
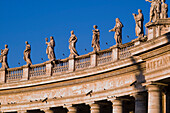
x,y
82,62
124,50
37,71
60,66
67,65
104,57
14,74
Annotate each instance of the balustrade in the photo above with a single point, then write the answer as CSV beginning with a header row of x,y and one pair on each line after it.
x,y
37,71
104,57
14,74
68,65
81,63
61,66
124,50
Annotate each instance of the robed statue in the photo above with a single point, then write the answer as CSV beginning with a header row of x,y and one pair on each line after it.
x,y
139,23
3,57
50,48
72,45
118,32
27,53
155,10
96,39
164,9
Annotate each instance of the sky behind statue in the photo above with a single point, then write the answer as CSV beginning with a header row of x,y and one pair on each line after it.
x,y
34,20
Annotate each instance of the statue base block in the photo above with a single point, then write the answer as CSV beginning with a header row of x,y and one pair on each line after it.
x,y
158,28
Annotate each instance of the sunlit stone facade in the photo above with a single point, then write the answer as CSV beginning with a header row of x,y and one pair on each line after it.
x,y
130,78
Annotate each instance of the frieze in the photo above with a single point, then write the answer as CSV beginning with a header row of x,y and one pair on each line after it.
x,y
158,63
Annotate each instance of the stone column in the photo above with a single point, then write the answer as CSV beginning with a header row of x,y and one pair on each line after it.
x,y
154,99
2,76
22,111
93,59
140,104
94,108
117,106
25,72
115,53
48,68
47,110
71,109
71,64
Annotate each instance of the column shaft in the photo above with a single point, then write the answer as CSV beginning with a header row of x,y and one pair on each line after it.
x,y
140,104
48,111
94,108
154,99
117,106
71,109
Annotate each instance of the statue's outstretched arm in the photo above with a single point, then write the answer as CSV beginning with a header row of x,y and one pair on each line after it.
x,y
148,1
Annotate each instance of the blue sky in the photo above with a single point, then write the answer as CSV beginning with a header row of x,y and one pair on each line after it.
x,y
34,20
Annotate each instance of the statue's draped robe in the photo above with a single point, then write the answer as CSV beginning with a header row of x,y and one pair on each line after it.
x,y
118,32
72,46
27,53
164,10
155,10
139,24
50,49
3,58
96,40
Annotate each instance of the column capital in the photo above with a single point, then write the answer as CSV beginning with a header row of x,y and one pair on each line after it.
x,y
71,109
47,110
22,111
94,108
139,95
116,104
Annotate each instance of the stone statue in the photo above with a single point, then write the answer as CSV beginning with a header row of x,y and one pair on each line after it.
x,y
155,10
118,31
139,23
96,39
164,9
72,46
50,49
3,57
27,52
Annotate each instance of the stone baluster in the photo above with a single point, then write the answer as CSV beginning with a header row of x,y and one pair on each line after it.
x,y
94,108
140,102
25,72
71,64
154,99
93,59
71,109
115,53
117,105
2,76
48,68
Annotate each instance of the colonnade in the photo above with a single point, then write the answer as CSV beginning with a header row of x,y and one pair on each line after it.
x,y
140,100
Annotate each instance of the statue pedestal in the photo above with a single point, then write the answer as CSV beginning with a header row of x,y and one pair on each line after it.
x,y
158,28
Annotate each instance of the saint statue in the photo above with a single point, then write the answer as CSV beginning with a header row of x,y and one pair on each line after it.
x,y
50,49
27,53
155,10
3,57
72,45
118,32
164,9
139,23
96,39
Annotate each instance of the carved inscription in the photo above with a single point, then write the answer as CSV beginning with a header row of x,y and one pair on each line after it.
x,y
158,63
